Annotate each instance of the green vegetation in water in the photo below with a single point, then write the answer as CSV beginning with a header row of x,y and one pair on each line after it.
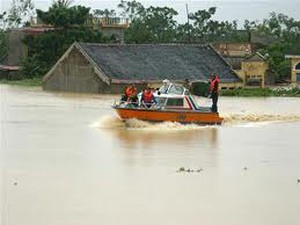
x,y
34,82
262,92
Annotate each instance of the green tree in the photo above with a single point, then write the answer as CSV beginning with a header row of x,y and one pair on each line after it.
x,y
286,31
19,12
207,30
16,16
108,13
46,48
131,9
60,15
138,33
185,33
161,23
149,25
201,18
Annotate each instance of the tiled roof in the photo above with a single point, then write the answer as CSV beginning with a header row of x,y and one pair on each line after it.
x,y
235,62
158,62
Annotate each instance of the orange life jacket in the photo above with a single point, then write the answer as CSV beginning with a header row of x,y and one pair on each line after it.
x,y
214,86
148,96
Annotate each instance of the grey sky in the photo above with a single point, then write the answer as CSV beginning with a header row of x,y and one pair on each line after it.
x,y
226,9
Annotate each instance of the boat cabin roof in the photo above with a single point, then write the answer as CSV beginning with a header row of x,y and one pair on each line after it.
x,y
172,90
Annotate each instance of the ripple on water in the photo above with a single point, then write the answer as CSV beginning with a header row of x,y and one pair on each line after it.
x,y
114,122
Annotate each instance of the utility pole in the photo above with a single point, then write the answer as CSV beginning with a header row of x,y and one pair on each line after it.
x,y
188,22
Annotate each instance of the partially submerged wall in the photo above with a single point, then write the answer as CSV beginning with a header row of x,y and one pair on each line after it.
x,y
75,74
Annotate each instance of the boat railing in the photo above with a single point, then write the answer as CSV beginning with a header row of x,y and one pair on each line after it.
x,y
138,105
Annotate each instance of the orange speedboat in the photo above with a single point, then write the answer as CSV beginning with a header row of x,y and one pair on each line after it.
x,y
173,103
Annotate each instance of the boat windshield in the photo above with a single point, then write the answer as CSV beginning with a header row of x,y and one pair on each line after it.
x,y
172,89
176,89
164,89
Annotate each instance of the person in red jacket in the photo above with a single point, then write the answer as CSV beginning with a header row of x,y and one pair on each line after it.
x,y
130,94
148,98
214,92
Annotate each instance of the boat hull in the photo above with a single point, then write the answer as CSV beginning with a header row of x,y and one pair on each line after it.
x,y
181,116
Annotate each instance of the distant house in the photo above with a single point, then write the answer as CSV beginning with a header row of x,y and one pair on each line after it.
x,y
295,68
250,65
103,68
255,71
17,50
235,49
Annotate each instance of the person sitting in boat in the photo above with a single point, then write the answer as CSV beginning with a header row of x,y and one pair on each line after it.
x,y
164,89
127,92
148,98
130,94
187,84
140,96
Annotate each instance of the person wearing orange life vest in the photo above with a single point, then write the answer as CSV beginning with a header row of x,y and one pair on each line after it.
x,y
127,93
148,98
130,94
134,97
214,91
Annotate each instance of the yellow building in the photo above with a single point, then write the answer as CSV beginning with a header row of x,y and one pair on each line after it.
x,y
251,67
295,68
254,71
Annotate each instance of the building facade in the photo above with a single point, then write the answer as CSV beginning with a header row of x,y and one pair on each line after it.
x,y
255,71
250,65
295,69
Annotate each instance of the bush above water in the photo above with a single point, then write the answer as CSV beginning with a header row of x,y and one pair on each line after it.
x,y
262,92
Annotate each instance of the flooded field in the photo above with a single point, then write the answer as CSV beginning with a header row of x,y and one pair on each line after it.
x,y
67,159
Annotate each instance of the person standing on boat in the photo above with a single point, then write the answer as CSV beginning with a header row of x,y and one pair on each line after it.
x,y
214,91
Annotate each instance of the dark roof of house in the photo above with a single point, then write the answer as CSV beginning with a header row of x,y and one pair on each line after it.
x,y
235,62
257,57
158,61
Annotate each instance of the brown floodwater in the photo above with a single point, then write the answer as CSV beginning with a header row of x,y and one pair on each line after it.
x,y
67,159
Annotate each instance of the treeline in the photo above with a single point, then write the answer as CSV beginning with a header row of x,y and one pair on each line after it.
x,y
147,25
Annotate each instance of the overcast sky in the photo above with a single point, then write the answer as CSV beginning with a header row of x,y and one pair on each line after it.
x,y
226,9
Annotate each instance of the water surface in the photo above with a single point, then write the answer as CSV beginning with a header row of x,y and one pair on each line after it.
x,y
67,159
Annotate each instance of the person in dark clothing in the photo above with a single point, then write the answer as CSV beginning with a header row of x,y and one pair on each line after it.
x,y
187,84
214,92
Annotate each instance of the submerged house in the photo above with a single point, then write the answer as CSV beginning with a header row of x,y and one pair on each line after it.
x,y
108,68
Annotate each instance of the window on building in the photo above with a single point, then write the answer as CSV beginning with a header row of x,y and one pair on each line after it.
x,y
298,66
298,77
